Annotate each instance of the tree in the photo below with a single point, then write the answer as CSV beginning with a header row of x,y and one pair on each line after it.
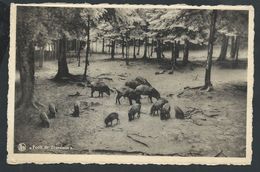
x,y
123,46
224,46
186,26
63,70
231,24
87,50
134,44
27,31
91,16
124,22
145,47
185,52
213,17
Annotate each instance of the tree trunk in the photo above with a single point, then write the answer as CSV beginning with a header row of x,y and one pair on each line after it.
x,y
57,49
91,49
177,50
41,57
237,48
123,47
109,46
186,52
158,49
139,45
126,53
80,46
208,84
63,70
162,48
224,46
53,51
87,50
152,48
173,59
113,49
26,68
103,45
148,49
76,46
134,56
145,48
233,47
96,49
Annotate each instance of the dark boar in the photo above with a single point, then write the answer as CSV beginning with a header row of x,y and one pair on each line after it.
x,y
129,93
157,106
136,82
165,112
76,109
178,113
110,118
132,84
135,109
44,120
101,87
147,90
142,80
53,110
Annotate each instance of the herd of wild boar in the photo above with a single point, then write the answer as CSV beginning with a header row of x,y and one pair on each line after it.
x,y
132,90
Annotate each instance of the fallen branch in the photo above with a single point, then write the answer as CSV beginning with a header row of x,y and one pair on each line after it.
x,y
76,94
137,135
137,141
107,78
103,74
213,115
122,75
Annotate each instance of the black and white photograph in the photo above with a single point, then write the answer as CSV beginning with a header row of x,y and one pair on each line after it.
x,y
130,84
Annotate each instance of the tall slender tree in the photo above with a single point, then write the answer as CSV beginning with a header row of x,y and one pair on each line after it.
x,y
213,17
87,50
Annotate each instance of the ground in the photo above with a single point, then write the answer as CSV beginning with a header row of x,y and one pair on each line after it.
x,y
217,126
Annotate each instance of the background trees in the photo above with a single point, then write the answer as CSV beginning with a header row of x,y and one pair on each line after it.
x,y
163,30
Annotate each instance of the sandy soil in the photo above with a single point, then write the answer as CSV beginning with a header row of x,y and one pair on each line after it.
x,y
217,125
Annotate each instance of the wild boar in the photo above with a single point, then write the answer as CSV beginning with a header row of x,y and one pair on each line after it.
x,y
109,119
132,83
76,109
136,82
157,106
129,93
135,109
165,112
143,81
147,90
99,86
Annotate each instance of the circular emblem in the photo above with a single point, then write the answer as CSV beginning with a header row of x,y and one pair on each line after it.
x,y
21,147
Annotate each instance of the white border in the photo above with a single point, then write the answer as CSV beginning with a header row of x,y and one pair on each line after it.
x,y
13,158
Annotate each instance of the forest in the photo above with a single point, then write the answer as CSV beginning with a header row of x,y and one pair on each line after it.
x,y
192,60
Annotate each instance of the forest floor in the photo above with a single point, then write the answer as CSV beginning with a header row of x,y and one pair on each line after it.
x,y
217,126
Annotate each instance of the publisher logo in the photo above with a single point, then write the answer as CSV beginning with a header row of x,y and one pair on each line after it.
x,y
21,147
